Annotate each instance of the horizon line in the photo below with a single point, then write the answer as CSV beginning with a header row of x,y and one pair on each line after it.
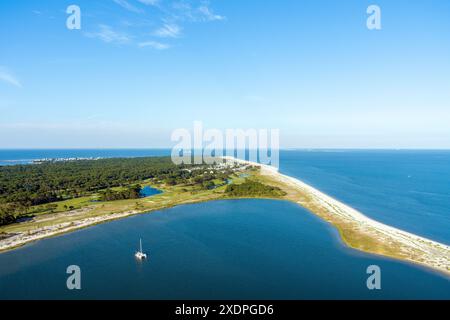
x,y
281,149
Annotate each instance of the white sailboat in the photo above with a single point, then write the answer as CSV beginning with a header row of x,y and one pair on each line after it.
x,y
140,254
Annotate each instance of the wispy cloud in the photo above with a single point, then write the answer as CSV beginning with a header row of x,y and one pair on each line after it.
x,y
209,15
170,14
9,78
168,31
202,13
128,6
149,2
154,44
109,35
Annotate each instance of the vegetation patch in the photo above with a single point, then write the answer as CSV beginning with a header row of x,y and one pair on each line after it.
x,y
131,192
57,186
253,189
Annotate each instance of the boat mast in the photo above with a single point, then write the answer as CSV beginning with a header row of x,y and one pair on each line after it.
x,y
140,244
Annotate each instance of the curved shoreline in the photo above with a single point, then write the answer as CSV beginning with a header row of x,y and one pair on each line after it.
x,y
356,229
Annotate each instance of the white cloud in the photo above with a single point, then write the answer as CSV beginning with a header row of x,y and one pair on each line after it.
x,y
196,14
168,31
125,4
108,35
149,2
209,15
9,78
184,10
154,45
171,14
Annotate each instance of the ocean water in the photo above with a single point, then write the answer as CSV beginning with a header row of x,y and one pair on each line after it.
x,y
244,249
406,189
23,156
250,249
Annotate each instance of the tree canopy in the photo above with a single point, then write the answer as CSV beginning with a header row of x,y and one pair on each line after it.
x,y
253,189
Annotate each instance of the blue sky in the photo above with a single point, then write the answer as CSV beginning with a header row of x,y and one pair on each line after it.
x,y
138,69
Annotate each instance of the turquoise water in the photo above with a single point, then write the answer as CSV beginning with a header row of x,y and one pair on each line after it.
x,y
245,249
251,249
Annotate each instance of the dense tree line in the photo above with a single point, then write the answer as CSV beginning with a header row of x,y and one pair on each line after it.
x,y
24,186
9,212
132,192
253,189
52,181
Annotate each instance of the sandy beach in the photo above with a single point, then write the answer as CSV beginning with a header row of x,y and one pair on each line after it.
x,y
407,246
53,230
357,230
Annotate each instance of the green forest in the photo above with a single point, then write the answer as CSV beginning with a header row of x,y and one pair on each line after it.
x,y
24,186
253,189
131,192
